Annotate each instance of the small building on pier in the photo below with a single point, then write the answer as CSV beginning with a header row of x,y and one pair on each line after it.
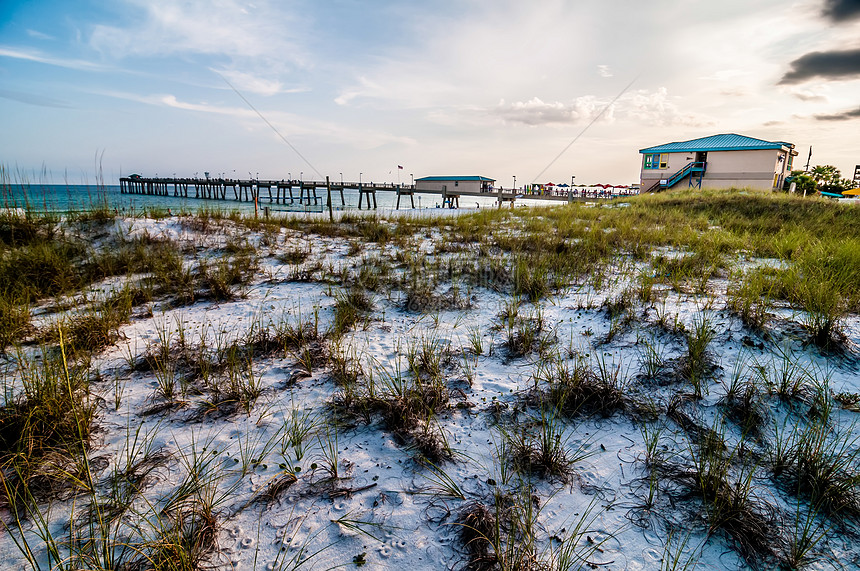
x,y
719,161
454,184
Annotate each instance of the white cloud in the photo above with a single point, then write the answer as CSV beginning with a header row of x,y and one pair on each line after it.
x,y
653,108
726,75
287,124
659,108
251,83
537,112
809,93
604,71
78,64
39,35
260,35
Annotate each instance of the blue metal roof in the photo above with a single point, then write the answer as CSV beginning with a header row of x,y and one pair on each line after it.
x,y
458,178
724,142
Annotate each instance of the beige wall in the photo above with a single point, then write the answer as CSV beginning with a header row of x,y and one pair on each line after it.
x,y
726,169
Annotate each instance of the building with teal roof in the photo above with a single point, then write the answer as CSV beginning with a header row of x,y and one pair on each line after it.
x,y
719,161
454,184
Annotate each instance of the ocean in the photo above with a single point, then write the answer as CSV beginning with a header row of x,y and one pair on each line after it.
x,y
64,198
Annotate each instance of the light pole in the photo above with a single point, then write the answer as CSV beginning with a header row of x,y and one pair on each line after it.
x,y
412,178
341,179
515,183
359,179
301,176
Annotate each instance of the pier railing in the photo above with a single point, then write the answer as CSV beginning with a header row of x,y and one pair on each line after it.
x,y
307,192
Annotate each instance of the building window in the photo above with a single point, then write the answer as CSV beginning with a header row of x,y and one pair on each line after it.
x,y
657,161
456,183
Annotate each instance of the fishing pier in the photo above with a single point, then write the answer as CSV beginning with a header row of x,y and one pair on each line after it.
x,y
310,193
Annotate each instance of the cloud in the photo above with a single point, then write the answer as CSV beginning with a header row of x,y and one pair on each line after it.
x,y
841,10
288,124
78,64
832,65
808,95
168,100
537,112
652,108
248,82
39,35
365,88
604,71
658,108
726,75
31,99
250,36
841,116
773,123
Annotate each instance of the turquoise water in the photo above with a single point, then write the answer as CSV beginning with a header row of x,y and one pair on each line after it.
x,y
76,198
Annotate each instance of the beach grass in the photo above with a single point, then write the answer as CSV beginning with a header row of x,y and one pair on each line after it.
x,y
694,336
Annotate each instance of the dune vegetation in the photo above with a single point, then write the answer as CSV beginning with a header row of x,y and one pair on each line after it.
x,y
663,382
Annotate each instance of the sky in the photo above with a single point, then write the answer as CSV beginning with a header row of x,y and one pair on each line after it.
x,y
540,90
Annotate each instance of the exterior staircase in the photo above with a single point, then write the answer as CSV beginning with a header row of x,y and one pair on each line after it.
x,y
694,170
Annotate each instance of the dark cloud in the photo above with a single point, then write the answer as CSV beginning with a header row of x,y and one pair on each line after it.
x,y
828,65
839,10
842,116
31,99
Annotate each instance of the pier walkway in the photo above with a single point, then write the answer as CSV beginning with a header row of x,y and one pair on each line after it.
x,y
315,193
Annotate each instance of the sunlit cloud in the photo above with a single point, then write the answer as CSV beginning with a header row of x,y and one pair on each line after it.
x,y
538,112
650,107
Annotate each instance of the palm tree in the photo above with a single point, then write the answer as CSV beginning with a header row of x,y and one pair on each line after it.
x,y
825,174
